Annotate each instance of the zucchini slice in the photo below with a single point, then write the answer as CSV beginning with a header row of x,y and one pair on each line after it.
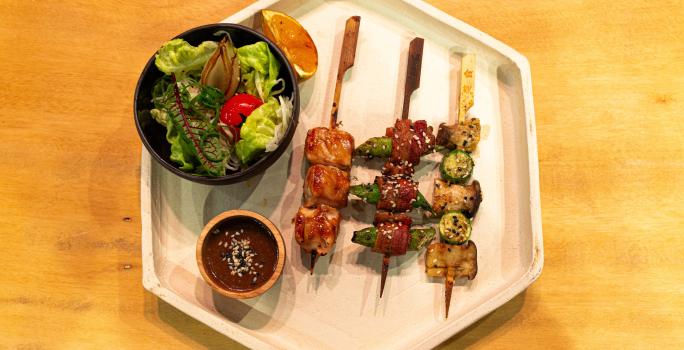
x,y
455,228
457,166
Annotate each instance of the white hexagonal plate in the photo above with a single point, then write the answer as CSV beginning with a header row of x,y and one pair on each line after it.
x,y
338,307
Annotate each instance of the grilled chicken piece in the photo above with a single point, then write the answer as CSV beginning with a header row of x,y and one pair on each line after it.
x,y
444,259
316,229
451,262
329,147
397,194
447,197
326,185
464,136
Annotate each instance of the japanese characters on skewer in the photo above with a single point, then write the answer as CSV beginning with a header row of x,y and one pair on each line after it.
x,y
329,151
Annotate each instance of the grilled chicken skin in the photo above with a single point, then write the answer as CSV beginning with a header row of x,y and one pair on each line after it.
x,y
329,147
316,229
326,185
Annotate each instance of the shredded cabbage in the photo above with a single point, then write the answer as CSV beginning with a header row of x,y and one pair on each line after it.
x,y
284,112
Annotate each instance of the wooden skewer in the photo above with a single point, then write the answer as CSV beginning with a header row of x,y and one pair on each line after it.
x,y
314,257
413,65
447,292
467,95
347,55
385,268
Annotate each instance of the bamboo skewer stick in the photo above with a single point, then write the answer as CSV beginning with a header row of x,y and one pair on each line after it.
x,y
447,291
347,55
467,92
413,66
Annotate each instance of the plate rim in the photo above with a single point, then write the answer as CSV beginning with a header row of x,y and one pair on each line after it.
x,y
149,274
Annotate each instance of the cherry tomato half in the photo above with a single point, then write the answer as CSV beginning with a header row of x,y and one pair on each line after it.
x,y
238,108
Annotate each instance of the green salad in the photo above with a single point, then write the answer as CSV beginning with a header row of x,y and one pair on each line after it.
x,y
222,106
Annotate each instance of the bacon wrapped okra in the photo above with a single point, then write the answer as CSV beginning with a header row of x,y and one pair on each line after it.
x,y
395,194
405,142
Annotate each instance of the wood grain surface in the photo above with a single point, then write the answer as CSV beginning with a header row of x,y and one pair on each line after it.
x,y
608,80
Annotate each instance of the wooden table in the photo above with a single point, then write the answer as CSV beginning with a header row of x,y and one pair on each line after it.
x,y
608,82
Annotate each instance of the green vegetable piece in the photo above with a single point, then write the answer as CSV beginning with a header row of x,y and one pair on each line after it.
x,y
257,131
369,193
421,237
418,237
455,228
422,203
457,166
178,57
259,70
380,147
366,237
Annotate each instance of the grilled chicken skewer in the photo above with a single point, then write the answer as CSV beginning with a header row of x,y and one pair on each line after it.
x,y
451,261
329,150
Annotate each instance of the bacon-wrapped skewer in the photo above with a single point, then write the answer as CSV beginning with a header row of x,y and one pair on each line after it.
x,y
412,141
451,261
392,193
395,192
329,151
392,236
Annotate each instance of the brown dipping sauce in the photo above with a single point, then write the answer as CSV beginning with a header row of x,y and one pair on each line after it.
x,y
240,253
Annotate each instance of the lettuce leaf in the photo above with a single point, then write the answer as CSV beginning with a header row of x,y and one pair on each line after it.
x,y
181,152
178,57
259,70
258,131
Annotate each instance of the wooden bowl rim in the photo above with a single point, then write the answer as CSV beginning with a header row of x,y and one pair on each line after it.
x,y
280,246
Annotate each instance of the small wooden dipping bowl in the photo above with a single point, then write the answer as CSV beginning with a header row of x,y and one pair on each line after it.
x,y
240,254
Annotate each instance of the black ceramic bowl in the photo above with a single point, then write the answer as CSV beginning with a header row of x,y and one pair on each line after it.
x,y
153,135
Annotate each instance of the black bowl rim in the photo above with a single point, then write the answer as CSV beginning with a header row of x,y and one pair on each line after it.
x,y
262,164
